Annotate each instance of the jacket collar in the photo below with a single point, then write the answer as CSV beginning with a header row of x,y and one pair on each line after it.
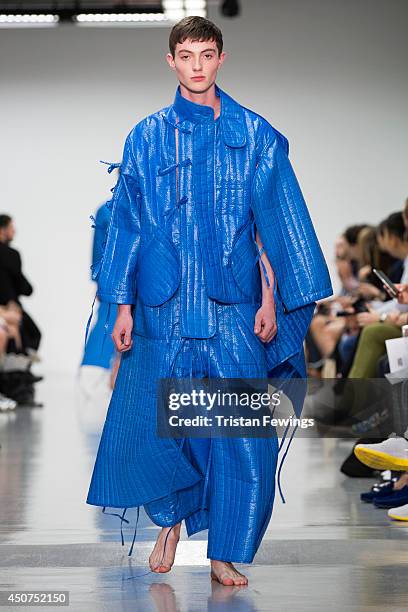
x,y
232,120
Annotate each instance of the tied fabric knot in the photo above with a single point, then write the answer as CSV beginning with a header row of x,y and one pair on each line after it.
x,y
112,165
177,126
170,212
182,164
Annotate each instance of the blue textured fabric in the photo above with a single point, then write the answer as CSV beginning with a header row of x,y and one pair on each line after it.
x,y
186,220
224,485
99,348
181,249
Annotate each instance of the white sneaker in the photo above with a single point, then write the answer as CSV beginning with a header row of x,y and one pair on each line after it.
x,y
391,454
6,403
399,514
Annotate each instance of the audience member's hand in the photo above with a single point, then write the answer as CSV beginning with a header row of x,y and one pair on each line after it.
x,y
367,318
402,293
363,272
393,317
369,291
344,300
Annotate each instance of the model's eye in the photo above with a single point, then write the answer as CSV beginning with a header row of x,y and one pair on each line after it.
x,y
209,55
185,57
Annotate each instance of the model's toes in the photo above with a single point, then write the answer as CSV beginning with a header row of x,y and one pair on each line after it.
x,y
228,575
158,561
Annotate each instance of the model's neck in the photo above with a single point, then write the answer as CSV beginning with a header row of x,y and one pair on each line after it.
x,y
208,98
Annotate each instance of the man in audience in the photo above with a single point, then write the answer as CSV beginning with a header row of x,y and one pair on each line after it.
x,y
13,283
15,378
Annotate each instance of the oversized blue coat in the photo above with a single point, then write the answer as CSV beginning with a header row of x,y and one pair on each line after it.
x,y
191,194
242,182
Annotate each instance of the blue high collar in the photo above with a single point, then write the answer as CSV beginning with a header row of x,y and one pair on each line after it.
x,y
232,121
191,111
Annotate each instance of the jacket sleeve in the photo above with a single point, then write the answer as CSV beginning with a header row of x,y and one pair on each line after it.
x,y
285,225
116,271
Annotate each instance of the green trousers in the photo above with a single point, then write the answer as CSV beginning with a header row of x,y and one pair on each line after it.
x,y
371,346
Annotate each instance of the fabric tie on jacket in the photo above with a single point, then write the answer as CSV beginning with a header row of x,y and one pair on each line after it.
x,y
183,164
170,212
112,165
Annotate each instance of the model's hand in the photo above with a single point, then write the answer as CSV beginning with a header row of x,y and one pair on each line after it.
x,y
265,322
122,331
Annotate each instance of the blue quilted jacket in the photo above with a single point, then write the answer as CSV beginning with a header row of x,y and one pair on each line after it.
x,y
191,194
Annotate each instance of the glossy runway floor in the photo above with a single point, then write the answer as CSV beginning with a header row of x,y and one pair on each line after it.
x,y
324,549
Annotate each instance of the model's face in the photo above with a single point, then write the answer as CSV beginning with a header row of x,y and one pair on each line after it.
x,y
196,64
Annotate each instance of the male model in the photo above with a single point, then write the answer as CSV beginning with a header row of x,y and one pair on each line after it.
x,y
206,199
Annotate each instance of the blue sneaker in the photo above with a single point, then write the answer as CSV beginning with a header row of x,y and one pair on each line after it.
x,y
394,500
378,490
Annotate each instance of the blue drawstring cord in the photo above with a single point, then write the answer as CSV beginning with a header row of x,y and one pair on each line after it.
x,y
122,520
283,458
90,319
134,535
112,165
260,252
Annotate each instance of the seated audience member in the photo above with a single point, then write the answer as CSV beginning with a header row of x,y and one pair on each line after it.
x,y
13,284
23,336
337,337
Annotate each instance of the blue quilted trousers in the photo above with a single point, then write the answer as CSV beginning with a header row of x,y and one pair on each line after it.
x,y
225,485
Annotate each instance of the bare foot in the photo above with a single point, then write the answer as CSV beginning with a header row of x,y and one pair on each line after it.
x,y
401,482
226,573
158,562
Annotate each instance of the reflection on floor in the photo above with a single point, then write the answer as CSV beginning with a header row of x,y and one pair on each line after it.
x,y
323,550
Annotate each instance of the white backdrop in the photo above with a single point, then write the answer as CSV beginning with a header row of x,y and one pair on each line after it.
x,y
330,75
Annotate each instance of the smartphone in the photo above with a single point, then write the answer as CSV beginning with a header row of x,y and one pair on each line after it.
x,y
387,282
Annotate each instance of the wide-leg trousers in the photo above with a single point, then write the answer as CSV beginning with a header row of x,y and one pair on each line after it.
x,y
225,485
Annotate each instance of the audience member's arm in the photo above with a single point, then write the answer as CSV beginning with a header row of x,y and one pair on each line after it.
x,y
21,284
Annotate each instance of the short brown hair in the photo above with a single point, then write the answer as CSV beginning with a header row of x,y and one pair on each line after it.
x,y
197,29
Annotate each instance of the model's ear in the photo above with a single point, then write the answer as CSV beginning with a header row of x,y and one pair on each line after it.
x,y
170,61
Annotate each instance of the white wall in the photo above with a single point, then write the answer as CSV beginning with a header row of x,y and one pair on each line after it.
x,y
329,74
